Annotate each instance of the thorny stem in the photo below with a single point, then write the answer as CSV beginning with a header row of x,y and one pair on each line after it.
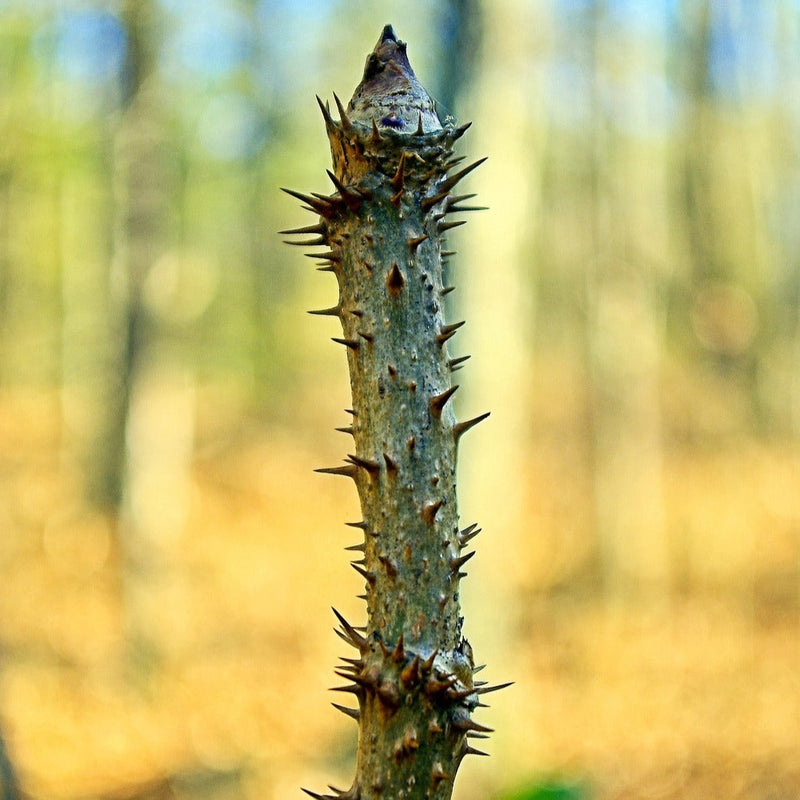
x,y
383,229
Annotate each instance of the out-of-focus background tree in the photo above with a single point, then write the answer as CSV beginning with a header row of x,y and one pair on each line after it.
x,y
167,556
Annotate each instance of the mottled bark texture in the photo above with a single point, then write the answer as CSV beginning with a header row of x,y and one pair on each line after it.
x,y
383,229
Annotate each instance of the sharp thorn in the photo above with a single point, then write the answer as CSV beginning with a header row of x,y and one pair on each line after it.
x,y
430,510
357,663
453,162
351,198
453,326
346,672
448,331
398,179
453,203
399,652
460,694
368,576
459,198
355,637
437,403
466,724
459,561
415,241
325,207
307,229
304,198
372,467
420,129
411,674
348,470
447,290
308,243
468,534
350,688
460,428
351,712
333,311
429,202
438,774
395,280
353,344
391,465
427,664
451,181
496,688
446,226
338,185
461,130
456,362
348,429
347,126
326,114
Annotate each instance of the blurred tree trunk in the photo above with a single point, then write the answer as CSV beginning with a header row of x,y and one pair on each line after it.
x,y
149,408
461,34
265,282
9,160
623,336
5,261
788,48
138,240
722,209
697,178
9,786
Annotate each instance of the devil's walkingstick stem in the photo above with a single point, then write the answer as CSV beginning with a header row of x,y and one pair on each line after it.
x,y
383,232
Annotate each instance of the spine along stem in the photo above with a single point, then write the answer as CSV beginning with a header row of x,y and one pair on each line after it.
x,y
382,230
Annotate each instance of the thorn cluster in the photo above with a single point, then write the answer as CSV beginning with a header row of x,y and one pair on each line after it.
x,y
405,686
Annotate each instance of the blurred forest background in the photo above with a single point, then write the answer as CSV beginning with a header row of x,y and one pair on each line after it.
x,y
167,556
